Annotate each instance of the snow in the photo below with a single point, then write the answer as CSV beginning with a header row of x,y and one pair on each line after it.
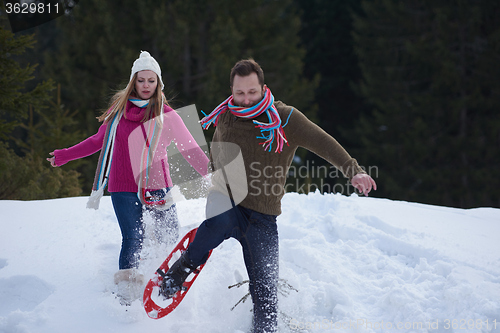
x,y
355,264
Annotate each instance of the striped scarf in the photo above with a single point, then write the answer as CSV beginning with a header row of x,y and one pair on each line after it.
x,y
151,134
274,128
104,163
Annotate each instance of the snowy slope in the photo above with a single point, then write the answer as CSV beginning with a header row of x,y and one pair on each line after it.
x,y
357,264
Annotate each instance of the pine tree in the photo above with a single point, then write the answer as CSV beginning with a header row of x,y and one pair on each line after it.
x,y
14,100
429,72
326,34
29,176
48,127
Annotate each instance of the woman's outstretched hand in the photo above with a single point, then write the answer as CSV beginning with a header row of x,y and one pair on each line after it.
x,y
52,159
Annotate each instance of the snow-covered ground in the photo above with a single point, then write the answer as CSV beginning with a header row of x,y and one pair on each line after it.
x,y
357,265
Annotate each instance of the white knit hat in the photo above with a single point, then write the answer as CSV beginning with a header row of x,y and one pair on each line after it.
x,y
146,62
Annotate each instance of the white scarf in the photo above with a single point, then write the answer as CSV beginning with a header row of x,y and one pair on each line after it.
x,y
142,103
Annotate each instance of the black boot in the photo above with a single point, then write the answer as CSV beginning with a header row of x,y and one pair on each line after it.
x,y
176,275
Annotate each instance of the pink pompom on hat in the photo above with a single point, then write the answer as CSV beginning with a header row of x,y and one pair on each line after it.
x,y
146,62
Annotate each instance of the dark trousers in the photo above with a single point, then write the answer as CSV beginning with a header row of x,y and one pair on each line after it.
x,y
129,212
258,236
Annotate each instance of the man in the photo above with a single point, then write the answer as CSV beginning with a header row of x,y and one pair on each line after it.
x,y
266,134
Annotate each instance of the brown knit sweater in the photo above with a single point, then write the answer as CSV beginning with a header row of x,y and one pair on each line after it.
x,y
265,172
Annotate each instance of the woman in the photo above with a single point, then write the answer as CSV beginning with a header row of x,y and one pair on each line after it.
x,y
136,129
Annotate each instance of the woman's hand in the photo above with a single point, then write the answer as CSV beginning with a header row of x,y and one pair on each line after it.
x,y
52,159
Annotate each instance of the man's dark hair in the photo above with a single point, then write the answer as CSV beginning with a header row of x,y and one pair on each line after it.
x,y
246,67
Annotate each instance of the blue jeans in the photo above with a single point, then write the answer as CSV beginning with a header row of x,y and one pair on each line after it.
x,y
129,212
258,236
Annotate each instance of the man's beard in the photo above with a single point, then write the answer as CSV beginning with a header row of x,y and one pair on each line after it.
x,y
252,104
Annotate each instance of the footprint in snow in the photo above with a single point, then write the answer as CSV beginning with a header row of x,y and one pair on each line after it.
x,y
3,263
22,292
377,223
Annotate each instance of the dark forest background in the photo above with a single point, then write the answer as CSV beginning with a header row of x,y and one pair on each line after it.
x,y
411,89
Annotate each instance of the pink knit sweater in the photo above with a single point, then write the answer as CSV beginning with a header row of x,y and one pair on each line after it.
x,y
121,175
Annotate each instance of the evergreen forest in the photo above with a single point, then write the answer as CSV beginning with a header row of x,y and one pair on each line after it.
x,y
411,89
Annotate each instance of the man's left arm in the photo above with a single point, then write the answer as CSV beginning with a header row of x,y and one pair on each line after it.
x,y
306,134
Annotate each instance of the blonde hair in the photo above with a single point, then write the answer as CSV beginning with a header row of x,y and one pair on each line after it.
x,y
118,102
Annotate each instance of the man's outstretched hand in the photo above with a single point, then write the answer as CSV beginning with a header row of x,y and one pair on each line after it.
x,y
363,183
